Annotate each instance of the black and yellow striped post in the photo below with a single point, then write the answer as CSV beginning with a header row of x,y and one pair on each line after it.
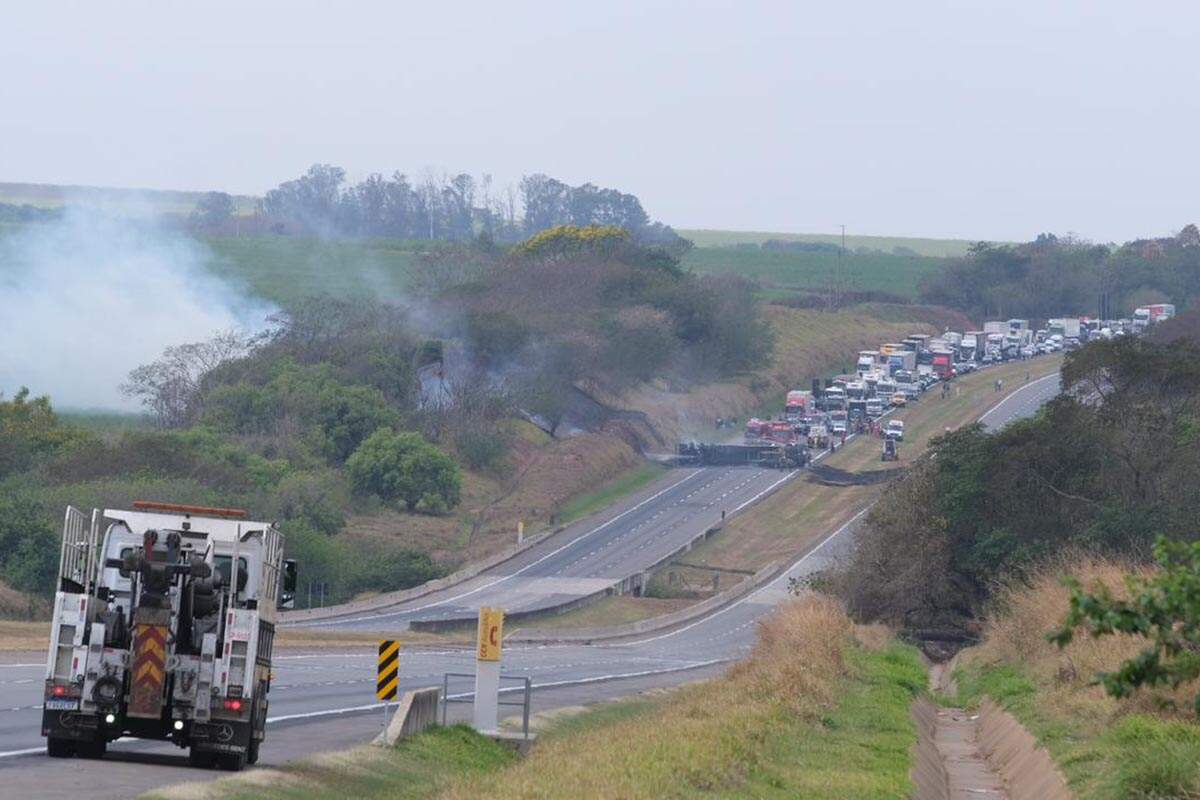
x,y
387,677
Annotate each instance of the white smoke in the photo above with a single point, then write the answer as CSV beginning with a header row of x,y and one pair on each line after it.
x,y
86,299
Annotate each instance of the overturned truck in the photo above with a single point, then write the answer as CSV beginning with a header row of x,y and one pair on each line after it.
x,y
164,622
765,454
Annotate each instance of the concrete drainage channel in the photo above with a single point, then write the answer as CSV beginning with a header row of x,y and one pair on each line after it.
x,y
988,754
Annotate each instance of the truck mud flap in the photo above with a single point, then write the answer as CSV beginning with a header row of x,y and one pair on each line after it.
x,y
221,736
70,725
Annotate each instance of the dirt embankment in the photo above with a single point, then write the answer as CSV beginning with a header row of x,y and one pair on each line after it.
x,y
543,476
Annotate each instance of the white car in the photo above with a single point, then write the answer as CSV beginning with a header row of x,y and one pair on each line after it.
x,y
895,430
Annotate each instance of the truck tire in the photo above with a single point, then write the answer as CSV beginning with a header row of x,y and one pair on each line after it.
x,y
93,749
59,748
200,758
234,762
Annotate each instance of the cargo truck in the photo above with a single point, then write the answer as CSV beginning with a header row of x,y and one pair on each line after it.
x,y
906,360
799,404
1152,314
943,364
867,361
163,628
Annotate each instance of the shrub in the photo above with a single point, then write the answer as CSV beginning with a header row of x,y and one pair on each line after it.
x,y
28,545
403,467
314,498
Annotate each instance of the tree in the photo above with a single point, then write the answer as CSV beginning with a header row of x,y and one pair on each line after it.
x,y
1163,609
169,388
403,467
213,210
29,430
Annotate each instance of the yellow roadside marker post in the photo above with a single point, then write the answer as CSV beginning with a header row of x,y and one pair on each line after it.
x,y
387,674
490,641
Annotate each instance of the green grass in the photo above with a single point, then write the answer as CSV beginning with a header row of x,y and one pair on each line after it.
x,y
1137,756
44,195
921,246
860,750
100,421
416,768
288,268
600,716
897,275
610,492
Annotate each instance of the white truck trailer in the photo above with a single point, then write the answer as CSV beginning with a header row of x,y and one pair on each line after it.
x,y
163,628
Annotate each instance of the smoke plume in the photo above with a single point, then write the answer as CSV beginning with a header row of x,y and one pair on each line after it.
x,y
87,298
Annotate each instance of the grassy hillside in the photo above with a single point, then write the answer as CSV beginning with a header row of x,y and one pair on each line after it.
x,y
921,246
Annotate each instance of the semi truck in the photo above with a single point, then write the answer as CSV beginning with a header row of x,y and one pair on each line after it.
x,y
943,364
867,361
906,360
1149,315
1066,327
163,628
995,326
799,404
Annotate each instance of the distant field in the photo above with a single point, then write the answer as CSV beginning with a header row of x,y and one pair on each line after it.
x,y
154,200
878,272
925,247
284,269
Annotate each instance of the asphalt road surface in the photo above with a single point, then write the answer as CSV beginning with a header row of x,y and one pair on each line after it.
x,y
324,700
591,555
1022,403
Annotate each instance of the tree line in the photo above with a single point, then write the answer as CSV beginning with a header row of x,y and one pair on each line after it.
x,y
447,207
1053,276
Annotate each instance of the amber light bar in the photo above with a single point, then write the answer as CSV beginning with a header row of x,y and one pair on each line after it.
x,y
176,508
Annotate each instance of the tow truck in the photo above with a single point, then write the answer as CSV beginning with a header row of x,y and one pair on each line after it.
x,y
163,628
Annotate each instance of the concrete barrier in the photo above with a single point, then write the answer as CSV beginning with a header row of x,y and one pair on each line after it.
x,y
416,711
653,624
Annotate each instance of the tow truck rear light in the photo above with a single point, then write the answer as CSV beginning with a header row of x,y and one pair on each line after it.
x,y
59,691
233,704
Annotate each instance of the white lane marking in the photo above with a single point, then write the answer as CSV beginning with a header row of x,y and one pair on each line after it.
x,y
14,666
551,554
1016,392
767,490
26,752
549,685
753,594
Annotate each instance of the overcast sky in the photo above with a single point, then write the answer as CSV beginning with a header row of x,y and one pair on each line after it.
x,y
901,118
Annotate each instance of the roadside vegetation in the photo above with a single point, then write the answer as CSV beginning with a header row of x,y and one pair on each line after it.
x,y
833,724
1108,466
1143,745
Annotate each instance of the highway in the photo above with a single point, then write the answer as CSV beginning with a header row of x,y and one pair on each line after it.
x,y
323,700
591,555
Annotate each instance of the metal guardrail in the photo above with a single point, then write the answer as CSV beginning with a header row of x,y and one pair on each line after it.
x,y
525,687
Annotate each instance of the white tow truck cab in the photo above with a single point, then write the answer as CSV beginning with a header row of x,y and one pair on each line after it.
x,y
163,628
894,429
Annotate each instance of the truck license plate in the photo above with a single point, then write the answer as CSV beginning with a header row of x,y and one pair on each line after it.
x,y
62,705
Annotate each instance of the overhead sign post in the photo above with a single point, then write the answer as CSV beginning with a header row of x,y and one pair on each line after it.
x,y
489,642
